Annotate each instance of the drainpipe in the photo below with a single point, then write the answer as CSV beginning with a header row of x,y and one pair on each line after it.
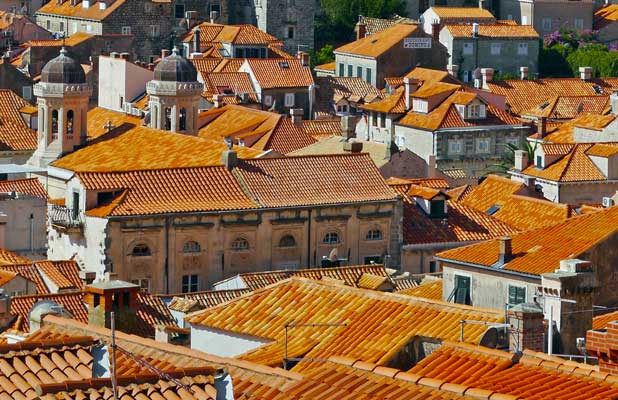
x,y
309,239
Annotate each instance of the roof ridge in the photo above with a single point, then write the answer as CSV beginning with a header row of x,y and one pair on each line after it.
x,y
51,295
47,344
130,171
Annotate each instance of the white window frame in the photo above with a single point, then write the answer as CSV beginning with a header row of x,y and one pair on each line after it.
x,y
522,49
482,145
495,48
154,31
193,282
143,283
474,111
578,23
288,100
546,23
268,100
467,48
125,30
455,146
88,27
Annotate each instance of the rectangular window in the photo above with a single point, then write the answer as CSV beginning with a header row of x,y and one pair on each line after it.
x,y
88,28
495,49
368,75
268,100
75,205
48,25
350,70
291,32
190,283
474,110
179,11
289,100
539,162
461,293
578,23
154,30
61,27
432,267
455,147
341,69
373,260
359,72
148,7
26,92
144,284
482,145
436,208
126,30
522,49
546,24
74,27
517,295
215,8
468,48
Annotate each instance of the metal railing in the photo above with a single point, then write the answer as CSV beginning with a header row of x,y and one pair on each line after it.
x,y
65,217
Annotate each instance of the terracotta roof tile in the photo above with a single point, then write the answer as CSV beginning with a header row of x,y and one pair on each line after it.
x,y
428,289
29,186
230,85
575,166
142,148
331,66
604,16
275,73
375,25
603,150
211,34
6,277
394,103
563,133
10,258
494,190
93,12
285,138
460,193
72,302
99,118
480,15
378,43
70,41
186,302
14,133
522,212
337,88
367,336
569,107
540,250
601,321
186,190
504,31
300,180
63,273
319,129
30,272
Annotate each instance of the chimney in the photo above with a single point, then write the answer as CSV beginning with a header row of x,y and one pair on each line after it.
x,y
217,100
196,40
482,4
361,30
488,76
348,126
432,168
229,158
453,70
475,29
527,322
213,17
521,160
114,54
506,251
165,53
410,86
297,116
352,146
523,73
541,127
435,30
303,57
613,102
585,73
124,56
223,385
112,295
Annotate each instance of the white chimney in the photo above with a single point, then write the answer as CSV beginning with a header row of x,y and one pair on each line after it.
x,y
297,116
475,29
523,73
521,160
213,16
585,73
613,102
406,85
453,70
488,76
217,100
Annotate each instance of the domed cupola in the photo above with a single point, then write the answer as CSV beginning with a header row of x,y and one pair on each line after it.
x,y
63,69
175,68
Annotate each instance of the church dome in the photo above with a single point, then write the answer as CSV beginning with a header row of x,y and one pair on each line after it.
x,y
175,68
63,69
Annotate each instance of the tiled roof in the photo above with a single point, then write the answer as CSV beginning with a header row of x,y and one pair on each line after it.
x,y
72,302
367,335
63,273
605,16
349,275
335,145
331,66
94,12
285,138
322,128
230,85
563,133
433,88
575,166
207,65
377,44
428,289
10,258
337,88
502,31
70,41
601,321
185,302
170,190
300,180
494,190
523,95
99,118
569,107
395,103
540,250
236,34
275,73
428,75
434,183
6,277
142,148
14,133
30,272
151,312
523,212
603,150
375,25
460,193
478,14
29,186
533,376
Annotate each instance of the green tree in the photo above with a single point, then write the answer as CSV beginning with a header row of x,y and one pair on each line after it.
x,y
322,56
508,160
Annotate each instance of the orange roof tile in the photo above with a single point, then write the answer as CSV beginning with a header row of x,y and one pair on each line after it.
x,y
524,212
601,321
320,129
337,88
63,273
94,12
30,272
10,258
569,107
603,150
428,289
141,148
186,302
72,302
275,73
394,103
604,16
230,85
211,34
70,41
503,31
326,67
540,250
170,190
29,186
99,118
6,277
367,336
300,180
575,166
378,43
285,138
14,133
494,190
460,193
434,88
428,75
523,95
478,14
563,133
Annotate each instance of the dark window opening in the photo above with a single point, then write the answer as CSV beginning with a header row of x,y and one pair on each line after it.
x,y
140,250
287,241
182,122
436,209
70,118
179,11
461,293
517,295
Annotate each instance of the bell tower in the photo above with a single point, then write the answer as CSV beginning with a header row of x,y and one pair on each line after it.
x,y
175,95
62,102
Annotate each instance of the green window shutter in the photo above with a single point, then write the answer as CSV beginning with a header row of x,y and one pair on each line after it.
x,y
462,287
517,295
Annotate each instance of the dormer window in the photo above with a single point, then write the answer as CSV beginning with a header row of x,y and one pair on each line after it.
x,y
437,208
420,105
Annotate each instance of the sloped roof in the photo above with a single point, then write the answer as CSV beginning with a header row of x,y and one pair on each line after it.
x,y
222,83
428,289
494,190
185,302
29,186
14,133
605,16
335,145
395,103
10,258
276,73
569,107
493,31
93,12
476,13
337,88
540,250
236,34
601,321
285,138
367,335
375,25
377,44
523,212
563,133
99,118
322,128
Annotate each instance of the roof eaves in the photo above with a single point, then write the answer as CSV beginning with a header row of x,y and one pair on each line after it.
x,y
488,268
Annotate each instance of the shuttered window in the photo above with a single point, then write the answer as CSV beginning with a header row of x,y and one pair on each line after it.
x,y
517,295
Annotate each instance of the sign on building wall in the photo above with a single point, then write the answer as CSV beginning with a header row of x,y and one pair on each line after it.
x,y
417,43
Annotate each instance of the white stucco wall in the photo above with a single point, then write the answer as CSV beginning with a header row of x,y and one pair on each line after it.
x,y
235,282
118,79
223,343
418,141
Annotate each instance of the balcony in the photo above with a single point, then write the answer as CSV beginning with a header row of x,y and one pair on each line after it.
x,y
64,219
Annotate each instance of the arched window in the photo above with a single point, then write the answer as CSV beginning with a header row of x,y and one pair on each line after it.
x,y
70,117
287,241
182,122
374,234
140,250
54,125
240,244
168,119
331,238
191,247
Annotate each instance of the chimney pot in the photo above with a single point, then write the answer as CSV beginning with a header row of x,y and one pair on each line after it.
x,y
114,54
196,40
523,73
213,16
303,57
352,147
229,158
585,73
361,30
217,100
475,29
124,56
488,76
435,30
297,116
521,160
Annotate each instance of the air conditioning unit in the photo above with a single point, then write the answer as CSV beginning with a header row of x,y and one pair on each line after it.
x,y
607,202
127,107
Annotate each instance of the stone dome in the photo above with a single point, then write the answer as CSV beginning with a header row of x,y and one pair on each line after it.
x,y
63,69
175,68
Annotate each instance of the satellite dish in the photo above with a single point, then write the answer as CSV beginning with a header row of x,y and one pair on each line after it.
x,y
490,338
333,255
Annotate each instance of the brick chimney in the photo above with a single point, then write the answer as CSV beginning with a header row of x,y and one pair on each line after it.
x,y
585,73
523,73
361,30
196,40
297,116
506,250
526,321
435,30
304,58
604,345
521,160
541,127
568,295
118,296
